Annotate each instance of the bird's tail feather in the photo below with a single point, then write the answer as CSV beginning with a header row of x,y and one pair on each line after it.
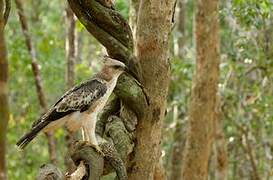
x,y
28,137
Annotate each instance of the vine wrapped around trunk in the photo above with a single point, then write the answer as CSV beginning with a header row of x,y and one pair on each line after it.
x,y
128,103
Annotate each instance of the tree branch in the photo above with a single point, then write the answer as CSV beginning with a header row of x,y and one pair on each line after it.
x,y
49,171
90,163
110,29
113,32
79,173
115,49
110,21
37,75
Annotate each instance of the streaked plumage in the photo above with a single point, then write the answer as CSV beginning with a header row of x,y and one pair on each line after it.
x,y
78,107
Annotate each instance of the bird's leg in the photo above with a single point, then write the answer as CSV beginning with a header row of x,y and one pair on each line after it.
x,y
89,134
92,136
85,136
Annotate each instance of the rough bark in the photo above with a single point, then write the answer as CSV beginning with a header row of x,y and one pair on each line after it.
x,y
152,36
203,99
37,76
159,172
49,171
4,106
180,28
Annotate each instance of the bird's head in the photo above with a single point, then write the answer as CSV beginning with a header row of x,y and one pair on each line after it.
x,y
115,65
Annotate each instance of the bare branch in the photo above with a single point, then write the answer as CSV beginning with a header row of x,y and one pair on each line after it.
x,y
79,173
36,74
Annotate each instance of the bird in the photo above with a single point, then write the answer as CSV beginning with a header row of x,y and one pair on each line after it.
x,y
79,107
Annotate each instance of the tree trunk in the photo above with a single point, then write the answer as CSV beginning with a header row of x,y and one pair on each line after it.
x,y
133,14
203,99
180,46
178,149
37,76
152,37
221,159
70,47
4,107
36,6
159,173
179,133
71,54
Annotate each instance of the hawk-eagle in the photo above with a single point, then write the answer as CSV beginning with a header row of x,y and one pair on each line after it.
x,y
79,106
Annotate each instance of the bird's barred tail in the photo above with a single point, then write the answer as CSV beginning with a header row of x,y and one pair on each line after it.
x,y
28,137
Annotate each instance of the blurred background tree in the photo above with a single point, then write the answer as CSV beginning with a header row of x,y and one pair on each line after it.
x,y
245,85
4,105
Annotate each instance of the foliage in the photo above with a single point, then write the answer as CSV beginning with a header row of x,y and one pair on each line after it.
x,y
245,86
245,83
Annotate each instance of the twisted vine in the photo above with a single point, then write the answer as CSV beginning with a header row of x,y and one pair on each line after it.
x,y
118,121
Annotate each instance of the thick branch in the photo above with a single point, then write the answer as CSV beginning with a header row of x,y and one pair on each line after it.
x,y
131,94
110,21
122,139
111,108
110,29
90,163
49,171
113,158
115,49
93,160
79,173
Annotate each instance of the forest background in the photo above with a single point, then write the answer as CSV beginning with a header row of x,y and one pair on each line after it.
x,y
243,139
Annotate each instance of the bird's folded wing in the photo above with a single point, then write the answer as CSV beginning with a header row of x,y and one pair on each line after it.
x,y
79,98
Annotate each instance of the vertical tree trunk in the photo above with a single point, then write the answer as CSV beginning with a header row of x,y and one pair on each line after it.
x,y
159,173
4,107
221,160
179,134
152,37
71,54
70,47
177,150
203,99
249,151
133,14
36,10
37,76
180,49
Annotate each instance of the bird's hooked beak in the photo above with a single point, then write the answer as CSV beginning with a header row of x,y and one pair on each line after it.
x,y
130,68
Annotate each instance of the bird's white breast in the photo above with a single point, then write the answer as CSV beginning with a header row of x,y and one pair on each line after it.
x,y
76,120
103,100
